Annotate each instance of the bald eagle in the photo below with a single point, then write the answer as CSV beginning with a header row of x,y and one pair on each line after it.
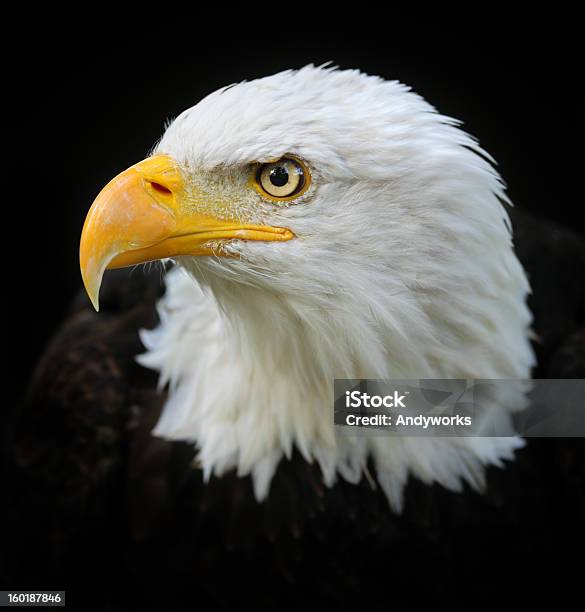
x,y
315,224
316,249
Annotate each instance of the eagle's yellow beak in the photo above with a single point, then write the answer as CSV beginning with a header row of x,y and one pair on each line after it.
x,y
144,214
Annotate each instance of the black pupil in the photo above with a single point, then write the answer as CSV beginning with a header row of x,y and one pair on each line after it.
x,y
279,176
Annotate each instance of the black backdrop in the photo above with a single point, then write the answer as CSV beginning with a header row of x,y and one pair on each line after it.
x,y
87,103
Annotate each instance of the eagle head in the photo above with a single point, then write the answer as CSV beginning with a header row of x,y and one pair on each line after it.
x,y
331,225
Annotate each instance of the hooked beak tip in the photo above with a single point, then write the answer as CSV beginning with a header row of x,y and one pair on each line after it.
x,y
95,302
92,283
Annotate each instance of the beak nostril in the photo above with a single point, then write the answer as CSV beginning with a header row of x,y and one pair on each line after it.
x,y
161,189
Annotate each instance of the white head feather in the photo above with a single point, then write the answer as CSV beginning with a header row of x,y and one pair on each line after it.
x,y
402,267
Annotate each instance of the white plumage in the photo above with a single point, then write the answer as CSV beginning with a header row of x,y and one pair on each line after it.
x,y
402,267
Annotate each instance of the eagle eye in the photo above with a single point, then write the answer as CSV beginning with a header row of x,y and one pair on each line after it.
x,y
282,180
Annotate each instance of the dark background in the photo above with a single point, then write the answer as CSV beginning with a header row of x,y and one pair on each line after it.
x,y
91,102
87,95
